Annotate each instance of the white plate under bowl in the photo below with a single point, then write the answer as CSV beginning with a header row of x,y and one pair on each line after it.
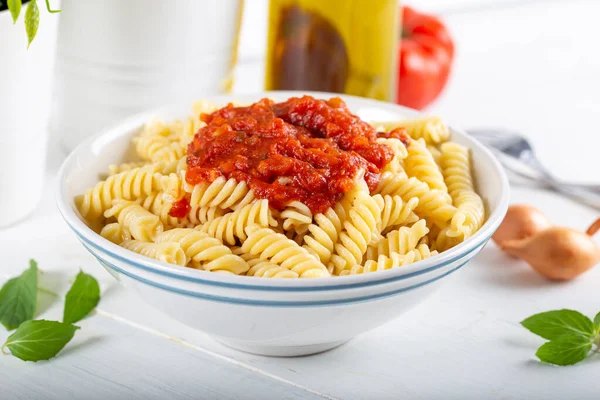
x,y
280,317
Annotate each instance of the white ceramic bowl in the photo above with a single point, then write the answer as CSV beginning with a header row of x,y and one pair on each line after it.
x,y
273,316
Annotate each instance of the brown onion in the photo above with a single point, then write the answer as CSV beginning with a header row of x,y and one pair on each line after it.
x,y
558,253
521,221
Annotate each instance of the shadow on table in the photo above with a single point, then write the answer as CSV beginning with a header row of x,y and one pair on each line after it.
x,y
500,269
75,348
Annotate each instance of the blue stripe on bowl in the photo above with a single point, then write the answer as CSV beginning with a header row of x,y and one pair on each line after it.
x,y
475,249
267,303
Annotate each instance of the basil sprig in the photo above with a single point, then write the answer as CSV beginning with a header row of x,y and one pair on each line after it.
x,y
39,340
36,340
571,335
82,298
18,298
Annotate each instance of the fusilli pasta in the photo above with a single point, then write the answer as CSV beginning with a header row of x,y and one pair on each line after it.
x,y
470,212
282,251
420,164
433,204
386,215
430,129
383,262
115,233
222,192
128,185
204,252
141,223
169,252
359,229
296,216
230,227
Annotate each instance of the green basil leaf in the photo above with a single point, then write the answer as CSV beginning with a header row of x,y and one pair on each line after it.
x,y
566,350
32,21
82,298
50,10
597,322
15,9
555,324
39,340
18,298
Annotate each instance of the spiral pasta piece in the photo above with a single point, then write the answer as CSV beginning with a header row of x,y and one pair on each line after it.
x,y
178,130
160,205
433,204
324,232
171,185
155,127
293,235
262,268
141,223
118,168
204,252
231,227
431,129
115,233
400,241
394,211
171,153
470,213
436,154
395,260
193,123
442,241
128,185
267,269
160,142
202,215
358,232
400,153
147,146
222,192
169,252
279,250
296,216
420,164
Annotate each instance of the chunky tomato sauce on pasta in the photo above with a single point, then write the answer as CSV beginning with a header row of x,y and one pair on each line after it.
x,y
301,149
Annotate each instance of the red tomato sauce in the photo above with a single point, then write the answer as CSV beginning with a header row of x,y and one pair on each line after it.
x,y
301,149
180,208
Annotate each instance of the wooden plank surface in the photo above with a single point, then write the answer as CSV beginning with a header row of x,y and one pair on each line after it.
x,y
109,359
531,68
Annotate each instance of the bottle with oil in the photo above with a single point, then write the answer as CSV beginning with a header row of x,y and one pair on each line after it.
x,y
342,46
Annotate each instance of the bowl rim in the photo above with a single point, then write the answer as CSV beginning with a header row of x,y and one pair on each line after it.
x,y
389,291
242,282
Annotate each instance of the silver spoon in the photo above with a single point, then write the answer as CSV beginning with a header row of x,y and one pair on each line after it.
x,y
517,153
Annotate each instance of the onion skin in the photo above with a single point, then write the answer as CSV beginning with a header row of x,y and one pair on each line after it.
x,y
557,253
521,221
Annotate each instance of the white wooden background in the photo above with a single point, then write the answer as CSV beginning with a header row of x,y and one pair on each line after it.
x,y
533,67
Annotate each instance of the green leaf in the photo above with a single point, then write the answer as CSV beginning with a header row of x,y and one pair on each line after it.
x,y
39,340
18,298
555,324
32,21
597,322
51,11
15,9
82,298
566,350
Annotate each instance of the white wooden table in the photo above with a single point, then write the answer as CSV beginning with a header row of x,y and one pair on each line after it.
x,y
533,68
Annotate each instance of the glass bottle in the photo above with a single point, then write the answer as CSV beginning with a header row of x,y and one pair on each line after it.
x,y
342,46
